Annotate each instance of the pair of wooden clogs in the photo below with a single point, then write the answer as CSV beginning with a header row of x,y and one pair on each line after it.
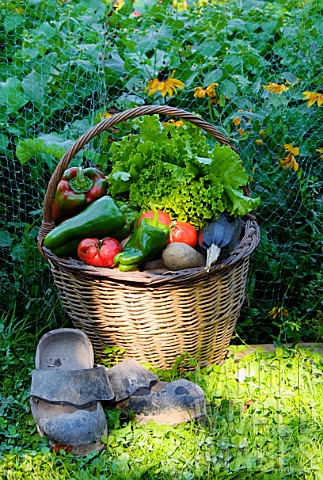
x,y
69,393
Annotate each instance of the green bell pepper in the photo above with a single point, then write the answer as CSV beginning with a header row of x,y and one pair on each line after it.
x,y
100,219
145,243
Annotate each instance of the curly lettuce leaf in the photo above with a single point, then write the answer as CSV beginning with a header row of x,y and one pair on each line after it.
x,y
175,170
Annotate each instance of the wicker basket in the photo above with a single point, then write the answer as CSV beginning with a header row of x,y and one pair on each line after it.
x,y
153,317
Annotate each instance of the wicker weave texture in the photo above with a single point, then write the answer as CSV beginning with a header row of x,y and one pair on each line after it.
x,y
156,324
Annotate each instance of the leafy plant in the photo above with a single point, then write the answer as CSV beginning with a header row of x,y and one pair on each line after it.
x,y
175,170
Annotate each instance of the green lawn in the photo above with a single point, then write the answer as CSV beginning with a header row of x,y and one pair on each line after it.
x,y
264,420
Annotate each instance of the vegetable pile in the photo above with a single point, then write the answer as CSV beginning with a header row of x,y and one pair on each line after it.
x,y
169,202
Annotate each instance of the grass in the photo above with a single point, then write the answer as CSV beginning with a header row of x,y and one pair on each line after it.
x,y
264,420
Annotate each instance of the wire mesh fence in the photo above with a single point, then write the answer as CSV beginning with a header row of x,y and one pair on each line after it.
x,y
242,65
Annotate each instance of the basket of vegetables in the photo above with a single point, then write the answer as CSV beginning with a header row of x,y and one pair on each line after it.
x,y
152,254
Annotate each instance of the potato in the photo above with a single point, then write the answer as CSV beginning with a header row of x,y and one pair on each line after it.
x,y
178,256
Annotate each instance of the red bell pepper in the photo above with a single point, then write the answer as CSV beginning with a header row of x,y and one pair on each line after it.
x,y
99,253
77,188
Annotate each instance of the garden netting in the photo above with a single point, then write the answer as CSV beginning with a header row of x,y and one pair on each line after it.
x,y
242,65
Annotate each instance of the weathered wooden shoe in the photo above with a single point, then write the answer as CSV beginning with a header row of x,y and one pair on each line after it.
x,y
167,403
127,377
66,391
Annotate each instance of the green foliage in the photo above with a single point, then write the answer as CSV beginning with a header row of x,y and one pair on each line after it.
x,y
174,170
64,64
45,146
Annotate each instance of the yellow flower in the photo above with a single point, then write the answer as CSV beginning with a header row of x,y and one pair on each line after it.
x,y
109,112
291,149
290,83
290,161
210,90
179,123
201,92
258,141
275,311
236,121
118,4
278,88
262,133
241,131
164,84
320,150
313,97
179,5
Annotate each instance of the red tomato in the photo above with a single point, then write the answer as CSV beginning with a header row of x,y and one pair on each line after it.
x,y
163,217
183,232
99,253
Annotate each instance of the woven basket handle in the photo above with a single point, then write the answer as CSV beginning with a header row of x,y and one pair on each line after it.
x,y
48,224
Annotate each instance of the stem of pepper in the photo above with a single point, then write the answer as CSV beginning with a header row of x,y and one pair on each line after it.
x,y
81,183
154,222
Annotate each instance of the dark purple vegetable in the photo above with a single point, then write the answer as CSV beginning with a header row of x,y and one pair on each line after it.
x,y
220,236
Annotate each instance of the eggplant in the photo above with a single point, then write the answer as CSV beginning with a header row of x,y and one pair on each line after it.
x,y
219,237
